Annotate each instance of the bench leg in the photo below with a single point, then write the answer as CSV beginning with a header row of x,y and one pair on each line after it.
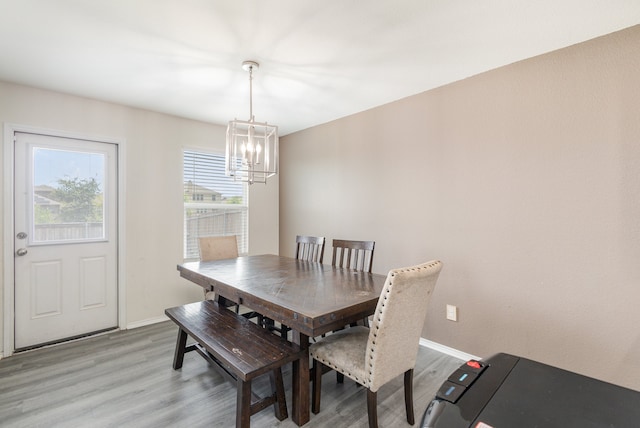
x,y
178,356
277,385
243,404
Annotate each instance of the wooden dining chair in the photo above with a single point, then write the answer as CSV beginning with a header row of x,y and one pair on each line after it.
x,y
310,248
374,356
356,255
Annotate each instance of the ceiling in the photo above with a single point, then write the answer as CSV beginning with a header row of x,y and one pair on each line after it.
x,y
319,59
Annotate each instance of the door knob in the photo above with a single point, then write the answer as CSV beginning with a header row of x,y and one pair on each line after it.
x,y
22,251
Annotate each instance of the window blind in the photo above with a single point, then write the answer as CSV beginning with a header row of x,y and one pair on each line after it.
x,y
214,204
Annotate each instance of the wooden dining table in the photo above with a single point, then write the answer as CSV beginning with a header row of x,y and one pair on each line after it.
x,y
310,298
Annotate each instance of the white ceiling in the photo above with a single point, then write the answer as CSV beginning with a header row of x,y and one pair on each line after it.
x,y
320,59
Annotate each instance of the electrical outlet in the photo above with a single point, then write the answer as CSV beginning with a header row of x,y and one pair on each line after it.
x,y
452,313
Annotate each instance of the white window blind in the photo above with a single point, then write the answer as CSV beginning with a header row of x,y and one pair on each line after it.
x,y
214,204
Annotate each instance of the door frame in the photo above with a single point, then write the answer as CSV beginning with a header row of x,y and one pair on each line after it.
x,y
9,231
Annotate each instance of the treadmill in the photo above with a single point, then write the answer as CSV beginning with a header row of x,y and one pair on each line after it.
x,y
506,391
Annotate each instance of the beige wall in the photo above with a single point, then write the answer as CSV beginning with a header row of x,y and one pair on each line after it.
x,y
153,181
524,181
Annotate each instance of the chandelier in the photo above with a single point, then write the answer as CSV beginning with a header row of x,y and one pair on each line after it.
x,y
252,147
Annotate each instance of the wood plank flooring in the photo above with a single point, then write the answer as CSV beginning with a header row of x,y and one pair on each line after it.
x,y
125,379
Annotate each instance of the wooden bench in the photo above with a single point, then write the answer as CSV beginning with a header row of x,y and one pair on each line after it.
x,y
240,349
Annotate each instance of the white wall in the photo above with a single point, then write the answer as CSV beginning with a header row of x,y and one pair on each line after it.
x,y
153,182
524,181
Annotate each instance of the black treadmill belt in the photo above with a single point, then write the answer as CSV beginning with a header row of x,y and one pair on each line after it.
x,y
537,395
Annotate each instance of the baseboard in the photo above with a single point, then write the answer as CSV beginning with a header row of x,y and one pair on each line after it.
x,y
447,350
148,321
129,327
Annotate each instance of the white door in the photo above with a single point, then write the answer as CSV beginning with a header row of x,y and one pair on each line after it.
x,y
65,238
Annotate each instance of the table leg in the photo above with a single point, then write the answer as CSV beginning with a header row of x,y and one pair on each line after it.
x,y
300,389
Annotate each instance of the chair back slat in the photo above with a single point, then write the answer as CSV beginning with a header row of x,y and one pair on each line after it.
x,y
310,248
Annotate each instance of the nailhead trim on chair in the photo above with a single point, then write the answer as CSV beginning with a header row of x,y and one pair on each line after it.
x,y
379,314
375,333
328,364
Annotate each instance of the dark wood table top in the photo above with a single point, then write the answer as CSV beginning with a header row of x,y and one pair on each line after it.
x,y
309,297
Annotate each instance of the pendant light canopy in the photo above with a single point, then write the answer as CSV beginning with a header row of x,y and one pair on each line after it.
x,y
252,147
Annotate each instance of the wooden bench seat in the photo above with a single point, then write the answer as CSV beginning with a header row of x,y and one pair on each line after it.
x,y
240,348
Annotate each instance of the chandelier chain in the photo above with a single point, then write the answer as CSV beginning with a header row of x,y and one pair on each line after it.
x,y
251,93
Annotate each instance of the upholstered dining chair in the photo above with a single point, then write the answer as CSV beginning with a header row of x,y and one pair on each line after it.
x,y
217,248
356,255
374,356
310,248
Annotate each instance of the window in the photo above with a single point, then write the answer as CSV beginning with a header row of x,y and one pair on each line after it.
x,y
214,204
68,195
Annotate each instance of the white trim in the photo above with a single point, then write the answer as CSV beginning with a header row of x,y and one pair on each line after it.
x,y
8,298
122,297
447,350
146,322
7,207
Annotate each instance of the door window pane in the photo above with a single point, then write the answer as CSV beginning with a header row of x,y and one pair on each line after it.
x,y
68,195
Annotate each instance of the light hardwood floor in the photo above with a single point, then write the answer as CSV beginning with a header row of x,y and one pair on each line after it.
x,y
125,379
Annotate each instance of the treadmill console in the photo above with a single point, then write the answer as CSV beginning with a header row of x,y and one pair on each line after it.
x,y
506,391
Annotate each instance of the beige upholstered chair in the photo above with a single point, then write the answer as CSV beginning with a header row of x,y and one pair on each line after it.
x,y
217,248
310,248
356,255
374,356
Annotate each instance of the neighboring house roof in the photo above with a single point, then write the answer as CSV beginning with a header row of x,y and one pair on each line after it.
x,y
191,188
41,196
44,201
43,189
